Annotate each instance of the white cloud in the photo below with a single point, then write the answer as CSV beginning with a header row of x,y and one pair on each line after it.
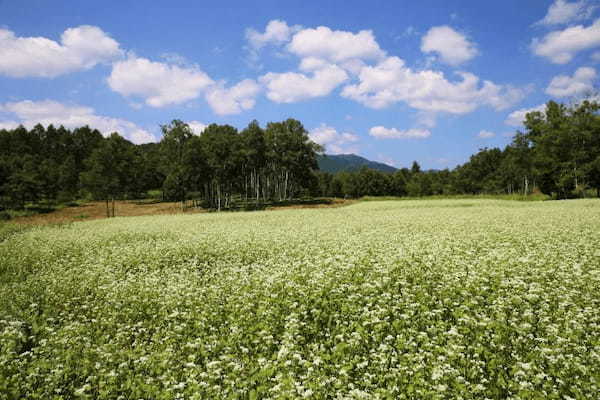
x,y
49,112
392,81
291,87
501,97
451,46
328,58
318,47
335,46
276,32
8,125
233,100
563,12
197,127
517,117
581,82
561,46
381,132
309,64
333,141
485,134
427,119
80,48
159,84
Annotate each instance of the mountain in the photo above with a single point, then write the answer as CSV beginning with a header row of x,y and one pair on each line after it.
x,y
349,162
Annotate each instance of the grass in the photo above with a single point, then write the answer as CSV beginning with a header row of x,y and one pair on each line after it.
x,y
514,197
428,299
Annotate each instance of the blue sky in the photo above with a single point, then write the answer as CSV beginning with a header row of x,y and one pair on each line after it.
x,y
393,81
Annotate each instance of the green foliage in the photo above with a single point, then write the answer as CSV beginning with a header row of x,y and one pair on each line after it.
x,y
110,167
176,136
45,166
223,164
423,299
565,146
558,154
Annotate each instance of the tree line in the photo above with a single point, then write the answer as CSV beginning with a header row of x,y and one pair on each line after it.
x,y
255,164
558,153
49,165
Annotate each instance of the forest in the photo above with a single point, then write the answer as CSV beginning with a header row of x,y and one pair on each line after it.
x,y
557,153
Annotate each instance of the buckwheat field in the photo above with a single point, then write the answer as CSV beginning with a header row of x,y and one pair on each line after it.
x,y
436,299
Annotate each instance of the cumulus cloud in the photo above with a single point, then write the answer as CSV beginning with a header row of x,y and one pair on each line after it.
x,y
564,12
290,87
276,32
451,47
329,58
381,132
233,100
427,119
163,84
581,82
483,134
561,46
317,47
197,127
392,81
49,112
334,141
309,64
9,124
335,46
80,48
159,84
517,117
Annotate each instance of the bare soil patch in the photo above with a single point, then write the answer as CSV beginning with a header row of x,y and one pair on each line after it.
x,y
97,210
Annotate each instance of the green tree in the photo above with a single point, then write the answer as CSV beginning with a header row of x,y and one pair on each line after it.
x,y
222,147
173,147
564,140
291,158
109,173
254,150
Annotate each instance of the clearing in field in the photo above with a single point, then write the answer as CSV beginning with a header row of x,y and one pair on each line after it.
x,y
378,300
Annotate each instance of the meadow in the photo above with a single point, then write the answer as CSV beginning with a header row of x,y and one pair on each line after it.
x,y
423,299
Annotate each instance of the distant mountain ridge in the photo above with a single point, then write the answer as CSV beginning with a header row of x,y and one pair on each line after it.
x,y
349,162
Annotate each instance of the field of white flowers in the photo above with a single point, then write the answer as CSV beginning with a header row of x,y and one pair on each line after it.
x,y
431,299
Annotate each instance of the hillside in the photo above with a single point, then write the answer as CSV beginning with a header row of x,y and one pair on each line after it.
x,y
349,162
